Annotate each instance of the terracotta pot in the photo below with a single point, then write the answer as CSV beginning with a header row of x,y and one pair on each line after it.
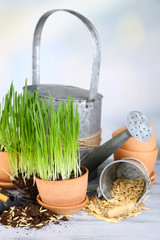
x,y
4,164
134,145
63,193
148,158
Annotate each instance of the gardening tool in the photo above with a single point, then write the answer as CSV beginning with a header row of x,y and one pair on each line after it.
x,y
89,102
129,168
138,126
8,200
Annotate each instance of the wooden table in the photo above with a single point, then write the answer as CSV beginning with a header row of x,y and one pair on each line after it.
x,y
145,226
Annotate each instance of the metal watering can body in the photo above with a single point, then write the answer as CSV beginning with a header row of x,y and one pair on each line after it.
x,y
89,101
89,111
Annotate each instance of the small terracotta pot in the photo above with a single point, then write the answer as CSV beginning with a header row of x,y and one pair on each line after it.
x,y
134,145
63,193
4,164
148,158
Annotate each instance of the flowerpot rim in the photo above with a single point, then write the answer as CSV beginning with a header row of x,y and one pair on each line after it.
x,y
143,152
9,185
3,151
153,175
66,179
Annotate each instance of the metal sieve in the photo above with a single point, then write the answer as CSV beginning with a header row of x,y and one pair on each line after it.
x,y
128,168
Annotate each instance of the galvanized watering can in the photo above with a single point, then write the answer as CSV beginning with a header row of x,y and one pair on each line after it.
x,y
89,102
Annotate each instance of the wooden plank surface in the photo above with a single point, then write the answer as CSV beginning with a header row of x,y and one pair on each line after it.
x,y
145,226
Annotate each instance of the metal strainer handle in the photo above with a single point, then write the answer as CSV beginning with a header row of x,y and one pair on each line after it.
x,y
96,44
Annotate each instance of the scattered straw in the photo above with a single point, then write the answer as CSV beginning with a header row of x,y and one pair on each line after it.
x,y
84,214
124,191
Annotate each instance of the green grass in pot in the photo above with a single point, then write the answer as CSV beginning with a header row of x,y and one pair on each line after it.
x,y
18,134
27,134
9,130
57,155
17,130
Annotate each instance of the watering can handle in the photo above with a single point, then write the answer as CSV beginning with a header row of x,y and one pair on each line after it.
x,y
96,44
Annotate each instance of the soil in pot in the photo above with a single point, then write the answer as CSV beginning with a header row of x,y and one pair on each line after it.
x,y
27,189
72,176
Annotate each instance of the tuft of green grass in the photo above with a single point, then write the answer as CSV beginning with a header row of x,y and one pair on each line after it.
x,y
45,140
57,140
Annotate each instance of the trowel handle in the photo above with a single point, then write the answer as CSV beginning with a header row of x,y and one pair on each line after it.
x,y
118,211
96,45
3,198
100,154
121,210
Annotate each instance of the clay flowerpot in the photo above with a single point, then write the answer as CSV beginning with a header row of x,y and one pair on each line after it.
x,y
4,177
148,158
134,145
4,164
66,193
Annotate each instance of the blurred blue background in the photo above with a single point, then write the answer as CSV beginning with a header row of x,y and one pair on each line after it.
x,y
130,66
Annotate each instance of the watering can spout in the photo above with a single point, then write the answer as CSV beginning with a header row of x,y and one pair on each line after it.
x,y
138,126
100,154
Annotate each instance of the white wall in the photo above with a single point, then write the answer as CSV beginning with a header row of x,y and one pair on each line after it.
x,y
130,37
